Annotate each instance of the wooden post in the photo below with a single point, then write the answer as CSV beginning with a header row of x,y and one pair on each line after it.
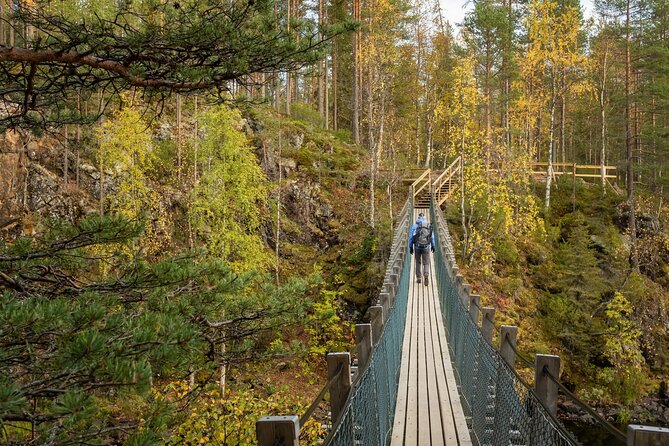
x,y
647,435
278,430
376,319
341,388
397,267
487,323
474,306
507,342
389,288
363,342
385,302
544,386
465,291
395,280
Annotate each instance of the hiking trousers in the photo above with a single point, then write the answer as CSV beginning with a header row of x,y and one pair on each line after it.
x,y
422,262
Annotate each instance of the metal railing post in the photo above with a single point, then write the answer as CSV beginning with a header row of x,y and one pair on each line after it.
x,y
341,388
545,388
285,430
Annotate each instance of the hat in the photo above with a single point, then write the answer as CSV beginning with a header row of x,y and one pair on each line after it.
x,y
420,214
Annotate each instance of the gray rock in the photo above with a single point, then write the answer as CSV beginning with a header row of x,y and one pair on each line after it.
x,y
297,140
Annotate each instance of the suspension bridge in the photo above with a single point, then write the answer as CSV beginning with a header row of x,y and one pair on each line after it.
x,y
426,369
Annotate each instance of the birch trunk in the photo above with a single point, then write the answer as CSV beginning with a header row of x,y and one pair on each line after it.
x,y
551,133
602,109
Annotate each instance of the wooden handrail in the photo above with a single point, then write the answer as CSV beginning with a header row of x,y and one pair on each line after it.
x,y
426,173
421,179
578,166
447,170
445,176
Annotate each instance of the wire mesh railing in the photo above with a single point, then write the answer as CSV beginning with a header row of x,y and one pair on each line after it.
x,y
502,408
368,413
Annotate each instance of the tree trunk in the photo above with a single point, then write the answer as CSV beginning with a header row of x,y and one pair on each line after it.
x,y
335,86
288,76
372,145
223,371
179,161
551,133
278,214
66,157
634,263
78,140
195,144
321,67
355,115
488,113
563,119
326,94
463,220
602,109
2,22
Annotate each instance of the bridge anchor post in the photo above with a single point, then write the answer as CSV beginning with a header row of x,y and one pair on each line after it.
x,y
647,435
507,343
363,339
474,305
278,430
546,389
376,319
341,387
487,323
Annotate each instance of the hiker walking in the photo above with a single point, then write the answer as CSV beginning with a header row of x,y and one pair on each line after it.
x,y
421,239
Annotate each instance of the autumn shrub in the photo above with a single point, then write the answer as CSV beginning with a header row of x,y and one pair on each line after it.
x,y
230,420
306,113
327,331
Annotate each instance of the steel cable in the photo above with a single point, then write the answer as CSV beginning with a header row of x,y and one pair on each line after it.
x,y
312,408
598,418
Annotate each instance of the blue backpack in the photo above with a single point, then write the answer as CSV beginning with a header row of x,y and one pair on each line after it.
x,y
422,238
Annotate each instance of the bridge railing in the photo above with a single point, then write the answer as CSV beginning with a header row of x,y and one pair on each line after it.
x,y
448,178
362,398
367,416
502,408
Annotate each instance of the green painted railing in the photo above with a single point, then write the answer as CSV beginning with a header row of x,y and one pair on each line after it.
x,y
367,418
502,408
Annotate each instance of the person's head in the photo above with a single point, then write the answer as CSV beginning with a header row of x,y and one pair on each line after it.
x,y
421,217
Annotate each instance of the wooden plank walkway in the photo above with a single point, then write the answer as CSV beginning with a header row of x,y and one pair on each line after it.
x,y
428,410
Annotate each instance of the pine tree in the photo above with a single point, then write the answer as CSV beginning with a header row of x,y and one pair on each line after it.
x,y
163,48
80,351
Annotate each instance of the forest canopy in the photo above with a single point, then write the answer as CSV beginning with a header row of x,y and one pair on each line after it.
x,y
56,53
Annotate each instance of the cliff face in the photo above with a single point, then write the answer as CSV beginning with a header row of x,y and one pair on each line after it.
x,y
33,186
314,173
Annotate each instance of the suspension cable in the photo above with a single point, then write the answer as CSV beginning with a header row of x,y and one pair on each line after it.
x,y
526,361
600,420
310,411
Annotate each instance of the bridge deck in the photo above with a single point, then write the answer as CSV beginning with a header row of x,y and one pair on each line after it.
x,y
428,410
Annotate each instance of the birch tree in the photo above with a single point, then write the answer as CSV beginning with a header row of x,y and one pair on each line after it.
x,y
553,53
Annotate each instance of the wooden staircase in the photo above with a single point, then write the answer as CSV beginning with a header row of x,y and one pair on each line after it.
x,y
445,184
